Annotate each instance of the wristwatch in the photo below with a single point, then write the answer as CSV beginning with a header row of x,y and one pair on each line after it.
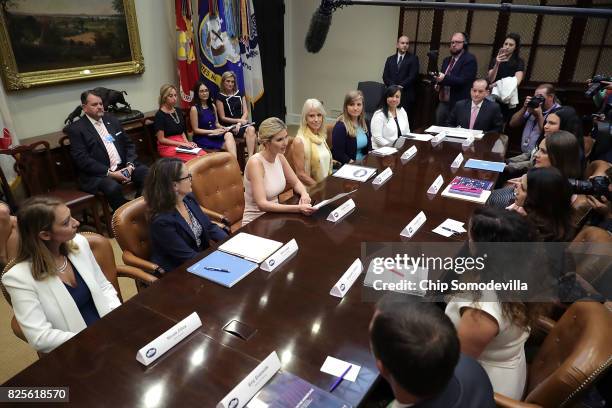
x,y
129,164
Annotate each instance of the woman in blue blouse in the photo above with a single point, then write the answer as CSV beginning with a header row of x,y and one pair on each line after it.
x,y
350,138
179,228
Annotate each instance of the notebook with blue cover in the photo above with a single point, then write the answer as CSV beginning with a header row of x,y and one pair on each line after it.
x,y
237,268
485,165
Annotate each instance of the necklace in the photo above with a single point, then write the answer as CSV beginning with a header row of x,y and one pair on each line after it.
x,y
62,269
175,117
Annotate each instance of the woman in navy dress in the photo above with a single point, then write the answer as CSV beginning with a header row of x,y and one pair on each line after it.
x,y
207,132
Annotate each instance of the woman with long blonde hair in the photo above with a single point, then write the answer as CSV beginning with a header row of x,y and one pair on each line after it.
x,y
350,138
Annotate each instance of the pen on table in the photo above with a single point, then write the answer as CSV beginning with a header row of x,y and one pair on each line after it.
x,y
339,380
212,268
450,230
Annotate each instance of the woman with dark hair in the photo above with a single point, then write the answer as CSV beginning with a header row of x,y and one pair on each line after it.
x,y
179,228
169,125
207,132
350,138
548,204
507,65
490,329
391,120
56,286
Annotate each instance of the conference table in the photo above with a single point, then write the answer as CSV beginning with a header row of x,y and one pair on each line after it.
x,y
289,310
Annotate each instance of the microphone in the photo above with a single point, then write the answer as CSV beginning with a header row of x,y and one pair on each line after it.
x,y
319,26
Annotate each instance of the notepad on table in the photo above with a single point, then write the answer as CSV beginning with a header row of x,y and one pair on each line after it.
x,y
485,165
384,151
354,172
250,247
222,268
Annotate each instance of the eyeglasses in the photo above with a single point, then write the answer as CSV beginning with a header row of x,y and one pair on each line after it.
x,y
184,178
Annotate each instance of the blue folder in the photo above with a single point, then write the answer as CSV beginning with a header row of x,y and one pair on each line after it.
x,y
238,268
485,165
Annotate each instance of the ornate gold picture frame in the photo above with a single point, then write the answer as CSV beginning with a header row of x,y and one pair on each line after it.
x,y
44,42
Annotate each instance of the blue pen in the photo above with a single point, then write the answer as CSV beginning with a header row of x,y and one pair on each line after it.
x,y
339,380
212,268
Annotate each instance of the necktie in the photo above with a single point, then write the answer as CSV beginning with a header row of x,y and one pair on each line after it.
x,y
113,154
473,116
445,90
399,61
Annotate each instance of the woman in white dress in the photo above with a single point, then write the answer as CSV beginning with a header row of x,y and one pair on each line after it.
x,y
390,121
312,158
492,330
267,173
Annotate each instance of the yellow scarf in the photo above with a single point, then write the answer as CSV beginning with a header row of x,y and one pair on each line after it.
x,y
316,172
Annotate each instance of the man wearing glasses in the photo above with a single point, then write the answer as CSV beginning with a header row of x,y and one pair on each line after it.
x,y
456,76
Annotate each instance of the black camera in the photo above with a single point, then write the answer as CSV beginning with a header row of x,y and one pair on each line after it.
x,y
596,85
535,101
595,186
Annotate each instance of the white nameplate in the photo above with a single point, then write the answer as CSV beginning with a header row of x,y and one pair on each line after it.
x,y
438,138
457,162
341,211
383,176
468,141
280,256
347,280
169,339
414,225
409,154
435,187
252,383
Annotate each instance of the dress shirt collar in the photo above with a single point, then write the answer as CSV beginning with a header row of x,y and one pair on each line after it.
x,y
93,121
478,106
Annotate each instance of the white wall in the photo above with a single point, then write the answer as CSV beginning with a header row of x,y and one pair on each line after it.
x,y
43,110
359,40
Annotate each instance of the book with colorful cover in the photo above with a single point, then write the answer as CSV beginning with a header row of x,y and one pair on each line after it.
x,y
286,390
469,186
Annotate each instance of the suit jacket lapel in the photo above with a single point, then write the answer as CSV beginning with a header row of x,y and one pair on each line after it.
x,y
83,266
181,221
69,309
94,134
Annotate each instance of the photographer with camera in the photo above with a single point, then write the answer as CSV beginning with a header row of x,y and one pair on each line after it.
x,y
533,113
600,90
598,189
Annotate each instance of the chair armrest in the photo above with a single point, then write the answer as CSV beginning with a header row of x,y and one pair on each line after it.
x,y
132,260
17,329
544,324
215,216
505,402
126,271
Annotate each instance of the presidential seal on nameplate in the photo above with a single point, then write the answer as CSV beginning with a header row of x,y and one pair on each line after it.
x,y
382,177
457,162
280,256
348,278
408,154
435,186
414,225
342,211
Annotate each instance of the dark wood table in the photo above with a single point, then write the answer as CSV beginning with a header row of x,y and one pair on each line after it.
x,y
290,309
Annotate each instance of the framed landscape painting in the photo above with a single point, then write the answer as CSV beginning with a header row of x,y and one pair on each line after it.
x,y
46,42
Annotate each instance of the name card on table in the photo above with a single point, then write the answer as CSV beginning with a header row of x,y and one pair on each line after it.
x,y
169,339
252,383
347,280
409,154
435,187
437,139
457,162
383,176
414,225
280,256
468,141
341,211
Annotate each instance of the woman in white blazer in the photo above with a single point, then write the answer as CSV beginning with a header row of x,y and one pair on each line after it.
x,y
56,286
390,121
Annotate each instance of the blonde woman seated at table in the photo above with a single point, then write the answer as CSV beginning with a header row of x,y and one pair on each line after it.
x,y
267,173
350,138
390,121
56,286
170,129
312,158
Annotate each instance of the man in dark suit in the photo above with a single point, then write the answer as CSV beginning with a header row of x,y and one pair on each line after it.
x,y
417,351
402,69
478,112
104,154
455,78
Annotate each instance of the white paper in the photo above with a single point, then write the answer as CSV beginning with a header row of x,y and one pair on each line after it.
x,y
449,227
194,150
250,247
384,151
356,173
280,256
418,136
331,200
456,132
336,367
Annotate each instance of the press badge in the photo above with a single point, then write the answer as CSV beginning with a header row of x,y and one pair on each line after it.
x,y
109,139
